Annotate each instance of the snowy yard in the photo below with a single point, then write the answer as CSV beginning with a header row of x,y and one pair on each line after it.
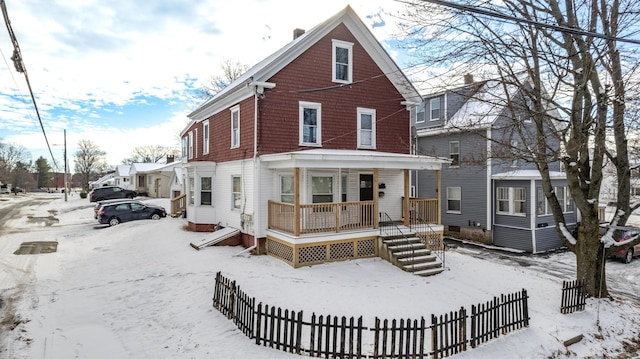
x,y
139,290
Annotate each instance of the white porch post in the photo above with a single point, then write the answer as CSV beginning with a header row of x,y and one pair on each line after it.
x,y
296,201
376,198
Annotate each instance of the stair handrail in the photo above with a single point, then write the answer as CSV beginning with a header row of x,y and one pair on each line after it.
x,y
389,228
430,238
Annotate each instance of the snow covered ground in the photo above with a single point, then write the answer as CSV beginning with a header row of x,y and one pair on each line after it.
x,y
139,290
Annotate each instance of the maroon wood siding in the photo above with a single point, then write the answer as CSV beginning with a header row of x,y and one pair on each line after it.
x,y
278,109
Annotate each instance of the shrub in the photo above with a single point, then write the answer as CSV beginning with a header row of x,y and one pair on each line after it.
x,y
83,194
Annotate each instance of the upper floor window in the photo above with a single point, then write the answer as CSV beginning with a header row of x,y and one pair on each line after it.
x,y
190,144
454,199
310,124
366,128
185,146
420,113
511,200
434,105
342,54
205,137
235,127
454,153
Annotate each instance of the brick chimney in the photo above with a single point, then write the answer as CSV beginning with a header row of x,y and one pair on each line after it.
x,y
468,79
170,158
297,33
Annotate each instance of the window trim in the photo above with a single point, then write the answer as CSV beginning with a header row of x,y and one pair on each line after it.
x,y
349,47
431,102
455,163
205,137
333,187
210,191
421,108
511,200
235,132
367,111
190,145
448,198
233,193
302,105
282,193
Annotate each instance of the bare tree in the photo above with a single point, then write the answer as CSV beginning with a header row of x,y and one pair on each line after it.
x,y
10,155
568,66
150,154
231,70
89,159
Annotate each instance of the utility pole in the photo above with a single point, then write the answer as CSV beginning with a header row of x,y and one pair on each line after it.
x,y
65,166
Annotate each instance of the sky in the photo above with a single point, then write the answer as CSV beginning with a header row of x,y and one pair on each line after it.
x,y
123,73
139,290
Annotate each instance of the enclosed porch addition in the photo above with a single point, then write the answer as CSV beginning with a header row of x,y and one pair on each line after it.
x,y
327,205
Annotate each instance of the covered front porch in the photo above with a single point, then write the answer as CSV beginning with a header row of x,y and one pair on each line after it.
x,y
329,203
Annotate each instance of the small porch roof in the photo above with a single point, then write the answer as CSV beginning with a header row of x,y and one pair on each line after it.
x,y
527,175
328,158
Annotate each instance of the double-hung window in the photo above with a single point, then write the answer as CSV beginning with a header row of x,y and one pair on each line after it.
x,y
366,128
454,153
190,144
205,137
511,200
454,199
286,189
310,124
235,127
205,191
191,191
236,192
342,56
434,105
564,200
185,146
321,189
420,113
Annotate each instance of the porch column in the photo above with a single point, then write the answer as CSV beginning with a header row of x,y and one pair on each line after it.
x,y
375,199
405,199
296,201
438,201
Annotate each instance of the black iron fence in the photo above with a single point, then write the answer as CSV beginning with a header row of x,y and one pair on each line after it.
x,y
574,296
346,337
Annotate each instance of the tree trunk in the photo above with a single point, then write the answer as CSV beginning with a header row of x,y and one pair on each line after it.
x,y
590,261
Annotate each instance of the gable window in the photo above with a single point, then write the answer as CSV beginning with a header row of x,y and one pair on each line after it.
x,y
310,123
366,128
205,137
235,127
454,199
286,189
511,200
190,144
236,192
342,55
434,105
205,191
454,153
321,189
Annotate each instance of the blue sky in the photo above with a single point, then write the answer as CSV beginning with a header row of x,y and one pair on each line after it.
x,y
122,73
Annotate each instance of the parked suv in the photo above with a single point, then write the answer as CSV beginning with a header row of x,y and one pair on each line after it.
x,y
115,213
110,192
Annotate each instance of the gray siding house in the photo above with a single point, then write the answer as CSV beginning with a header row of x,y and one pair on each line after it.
x,y
490,192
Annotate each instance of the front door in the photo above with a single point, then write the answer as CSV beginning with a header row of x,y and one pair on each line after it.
x,y
366,194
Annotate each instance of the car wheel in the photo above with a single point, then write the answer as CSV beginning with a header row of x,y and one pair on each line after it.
x,y
628,256
114,221
155,216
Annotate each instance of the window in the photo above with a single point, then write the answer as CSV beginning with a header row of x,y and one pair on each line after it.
x,y
322,189
236,192
195,142
342,60
454,199
190,144
454,153
310,121
344,188
420,113
564,200
286,189
191,190
205,191
434,105
511,200
366,128
185,146
235,127
205,137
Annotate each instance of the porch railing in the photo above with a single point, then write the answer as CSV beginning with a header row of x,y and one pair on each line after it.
x,y
178,205
321,217
424,210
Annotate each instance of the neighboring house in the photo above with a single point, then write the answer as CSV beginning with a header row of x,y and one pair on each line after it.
x,y
122,177
490,193
153,179
106,180
303,152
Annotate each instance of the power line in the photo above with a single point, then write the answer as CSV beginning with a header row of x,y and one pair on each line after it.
x,y
560,28
19,65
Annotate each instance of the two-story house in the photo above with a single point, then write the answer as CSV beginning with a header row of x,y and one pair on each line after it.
x,y
304,152
492,193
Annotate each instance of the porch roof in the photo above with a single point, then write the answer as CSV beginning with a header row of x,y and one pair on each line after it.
x,y
327,158
527,175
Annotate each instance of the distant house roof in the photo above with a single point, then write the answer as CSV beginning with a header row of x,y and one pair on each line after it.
x,y
527,175
122,170
260,73
145,167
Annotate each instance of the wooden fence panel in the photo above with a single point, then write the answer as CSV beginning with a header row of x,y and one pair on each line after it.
x,y
449,333
574,296
224,296
331,337
278,329
244,313
515,311
485,322
407,339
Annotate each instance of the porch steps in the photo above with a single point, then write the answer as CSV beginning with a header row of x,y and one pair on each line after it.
x,y
411,255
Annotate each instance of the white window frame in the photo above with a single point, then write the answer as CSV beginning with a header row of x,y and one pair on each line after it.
x,y
456,162
191,190
236,196
235,132
349,47
195,142
190,145
315,106
205,137
431,109
206,190
333,189
372,112
185,146
420,109
454,194
511,196
566,202
283,193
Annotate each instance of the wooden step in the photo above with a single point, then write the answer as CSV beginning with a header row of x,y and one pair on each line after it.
x,y
429,272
